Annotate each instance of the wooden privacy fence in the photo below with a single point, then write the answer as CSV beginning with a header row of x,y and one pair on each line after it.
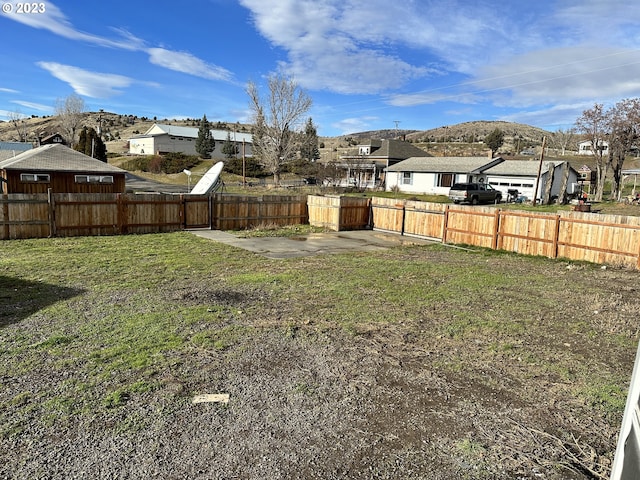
x,y
612,239
237,212
591,237
74,214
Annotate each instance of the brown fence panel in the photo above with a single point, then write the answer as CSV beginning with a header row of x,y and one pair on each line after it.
x,y
424,219
612,239
355,213
528,233
77,214
196,211
237,212
387,214
24,216
472,225
151,213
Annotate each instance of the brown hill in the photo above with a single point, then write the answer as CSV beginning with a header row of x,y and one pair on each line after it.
x,y
117,128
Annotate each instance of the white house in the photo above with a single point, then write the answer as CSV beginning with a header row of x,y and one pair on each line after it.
x,y
522,175
585,148
170,138
436,175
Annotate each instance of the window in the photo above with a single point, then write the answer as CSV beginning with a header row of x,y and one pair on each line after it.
x,y
35,177
407,178
445,180
94,178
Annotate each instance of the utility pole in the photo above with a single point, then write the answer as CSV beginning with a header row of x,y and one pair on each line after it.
x,y
535,195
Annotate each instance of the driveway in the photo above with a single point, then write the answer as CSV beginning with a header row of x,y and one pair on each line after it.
x,y
315,243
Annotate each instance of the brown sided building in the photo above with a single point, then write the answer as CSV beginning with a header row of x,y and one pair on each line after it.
x,y
60,169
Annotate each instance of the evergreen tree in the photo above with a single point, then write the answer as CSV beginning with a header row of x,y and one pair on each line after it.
x,y
90,143
205,142
229,148
309,142
494,140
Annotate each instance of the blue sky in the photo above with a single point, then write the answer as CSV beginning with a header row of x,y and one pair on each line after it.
x,y
367,64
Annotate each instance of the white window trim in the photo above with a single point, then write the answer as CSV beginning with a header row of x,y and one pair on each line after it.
x,y
94,178
35,177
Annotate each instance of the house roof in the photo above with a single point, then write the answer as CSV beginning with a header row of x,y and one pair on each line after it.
x,y
15,146
192,132
57,157
522,168
445,164
393,149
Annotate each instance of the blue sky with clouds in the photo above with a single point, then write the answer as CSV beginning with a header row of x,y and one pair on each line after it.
x,y
367,64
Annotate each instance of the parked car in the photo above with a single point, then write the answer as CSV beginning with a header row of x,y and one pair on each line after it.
x,y
474,193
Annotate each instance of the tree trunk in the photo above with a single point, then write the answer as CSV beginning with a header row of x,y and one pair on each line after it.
x,y
562,197
546,199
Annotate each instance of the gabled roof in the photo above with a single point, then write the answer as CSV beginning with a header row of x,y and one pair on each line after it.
x,y
57,157
192,132
445,164
523,168
391,149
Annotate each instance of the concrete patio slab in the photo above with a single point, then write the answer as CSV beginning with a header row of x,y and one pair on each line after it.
x,y
315,243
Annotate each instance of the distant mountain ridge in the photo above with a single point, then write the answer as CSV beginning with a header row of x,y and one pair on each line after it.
x,y
462,132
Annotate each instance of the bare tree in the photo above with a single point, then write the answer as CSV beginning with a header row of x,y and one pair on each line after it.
x,y
623,124
276,120
71,113
17,119
592,124
562,138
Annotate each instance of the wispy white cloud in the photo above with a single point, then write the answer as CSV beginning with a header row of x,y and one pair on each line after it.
x,y
85,82
186,63
8,90
55,21
33,106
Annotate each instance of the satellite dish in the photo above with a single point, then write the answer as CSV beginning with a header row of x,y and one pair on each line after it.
x,y
210,182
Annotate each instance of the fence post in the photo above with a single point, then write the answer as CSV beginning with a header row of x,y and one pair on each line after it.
x,y
5,216
496,233
183,211
445,224
404,215
556,238
52,213
121,205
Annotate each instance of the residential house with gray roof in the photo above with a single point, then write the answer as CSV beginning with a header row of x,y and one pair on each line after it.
x,y
365,165
436,175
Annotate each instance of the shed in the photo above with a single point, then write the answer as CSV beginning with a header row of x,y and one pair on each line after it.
x,y
60,169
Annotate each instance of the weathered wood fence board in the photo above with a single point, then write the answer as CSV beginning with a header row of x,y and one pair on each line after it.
x,y
388,214
339,213
424,219
24,216
236,212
